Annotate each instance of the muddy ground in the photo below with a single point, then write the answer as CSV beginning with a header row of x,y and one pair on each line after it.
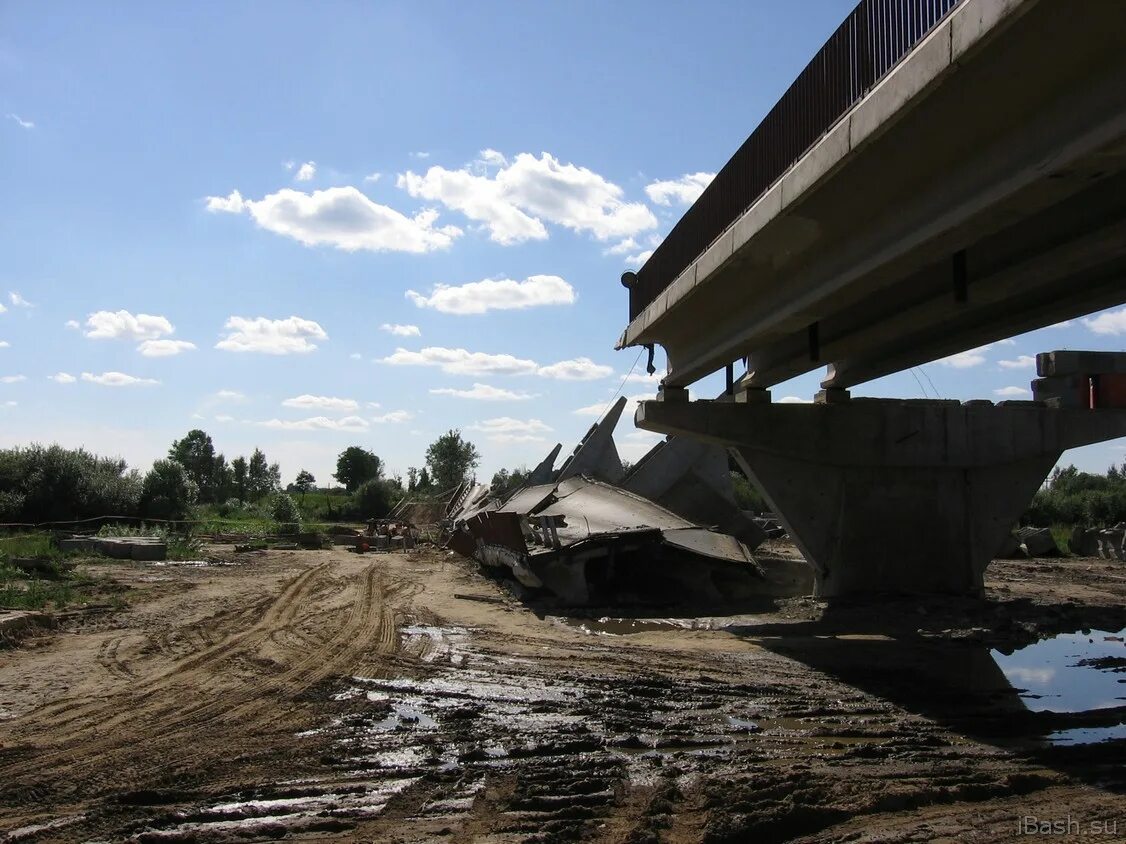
x,y
316,695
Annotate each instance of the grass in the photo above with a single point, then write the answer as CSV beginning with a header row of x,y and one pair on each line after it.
x,y
54,589
1062,535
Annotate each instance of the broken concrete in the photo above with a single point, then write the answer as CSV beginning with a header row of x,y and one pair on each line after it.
x,y
587,542
1037,542
597,456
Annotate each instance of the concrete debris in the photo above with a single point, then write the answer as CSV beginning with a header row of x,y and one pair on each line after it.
x,y
1037,542
592,533
142,548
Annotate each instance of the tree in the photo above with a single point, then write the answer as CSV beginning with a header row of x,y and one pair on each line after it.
x,y
222,479
374,498
356,466
239,478
196,453
451,460
261,477
304,482
505,481
424,483
167,491
412,479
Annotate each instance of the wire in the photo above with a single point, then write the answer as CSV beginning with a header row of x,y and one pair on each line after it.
x,y
922,389
929,381
621,386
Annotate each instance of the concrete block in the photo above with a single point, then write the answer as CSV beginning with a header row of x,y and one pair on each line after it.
x,y
920,69
146,551
1065,390
115,547
1110,543
1038,542
1083,542
1067,363
1010,549
975,19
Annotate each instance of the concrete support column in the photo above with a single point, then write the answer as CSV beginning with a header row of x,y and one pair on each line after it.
x,y
893,496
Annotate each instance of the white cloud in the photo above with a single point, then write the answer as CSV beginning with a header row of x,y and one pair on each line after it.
x,y
623,247
373,177
11,404
164,348
598,408
318,423
356,356
420,154
271,336
394,417
578,369
478,297
2,308
682,191
289,165
506,429
72,324
1020,362
1012,392
306,171
1111,322
514,202
462,362
341,217
483,392
230,395
222,417
4,344
373,404
794,400
400,330
308,402
12,379
23,124
18,300
118,379
1065,324
640,258
966,359
122,325
62,378
653,380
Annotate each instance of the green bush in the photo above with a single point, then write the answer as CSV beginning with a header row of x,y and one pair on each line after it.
x,y
286,513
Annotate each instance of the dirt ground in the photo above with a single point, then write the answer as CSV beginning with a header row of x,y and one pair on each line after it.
x,y
315,695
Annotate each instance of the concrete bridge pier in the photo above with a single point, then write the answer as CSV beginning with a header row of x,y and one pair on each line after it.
x,y
892,495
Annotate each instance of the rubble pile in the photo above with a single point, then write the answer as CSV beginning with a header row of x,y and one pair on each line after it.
x,y
593,533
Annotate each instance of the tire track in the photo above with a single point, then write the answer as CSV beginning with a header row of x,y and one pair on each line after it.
x,y
113,722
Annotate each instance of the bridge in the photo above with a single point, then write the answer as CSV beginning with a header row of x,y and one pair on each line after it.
x,y
943,174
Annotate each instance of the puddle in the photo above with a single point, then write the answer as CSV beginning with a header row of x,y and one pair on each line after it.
x,y
1072,672
610,626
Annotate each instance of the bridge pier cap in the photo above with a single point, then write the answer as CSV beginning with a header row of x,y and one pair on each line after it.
x,y
886,495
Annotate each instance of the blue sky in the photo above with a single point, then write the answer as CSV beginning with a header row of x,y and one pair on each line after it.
x,y
235,216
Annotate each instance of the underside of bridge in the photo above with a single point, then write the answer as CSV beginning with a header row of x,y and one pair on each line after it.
x,y
976,192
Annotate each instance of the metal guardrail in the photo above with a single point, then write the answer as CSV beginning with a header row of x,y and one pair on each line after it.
x,y
870,42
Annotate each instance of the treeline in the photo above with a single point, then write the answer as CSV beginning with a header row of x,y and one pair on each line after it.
x,y
1071,497
41,484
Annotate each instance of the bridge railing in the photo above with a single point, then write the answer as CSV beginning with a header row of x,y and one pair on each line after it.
x,y
870,42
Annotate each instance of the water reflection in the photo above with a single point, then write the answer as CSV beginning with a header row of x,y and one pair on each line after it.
x,y
1072,672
